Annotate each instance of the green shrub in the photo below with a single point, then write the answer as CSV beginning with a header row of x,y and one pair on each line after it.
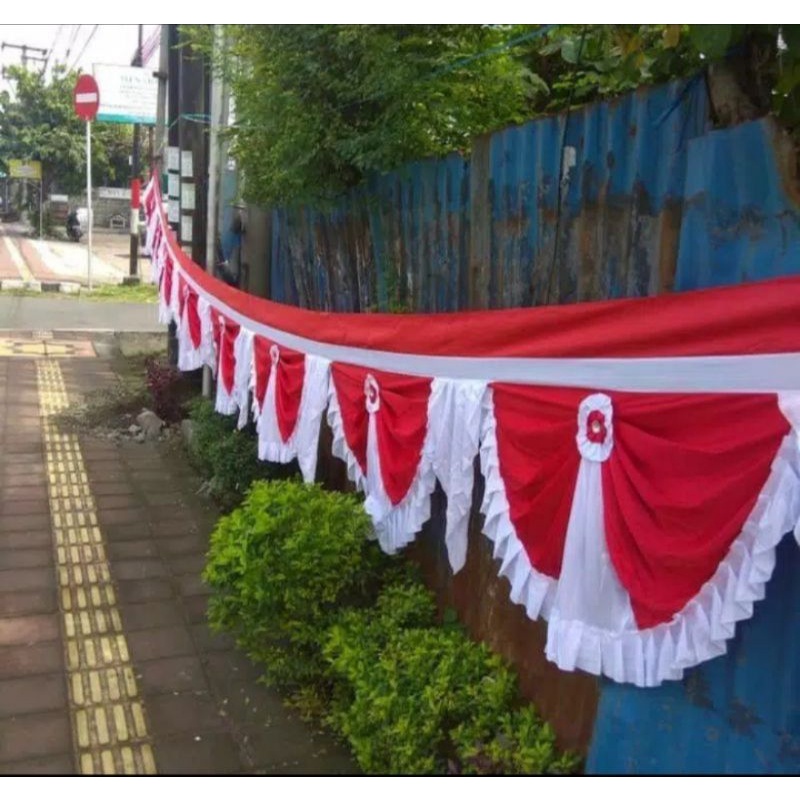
x,y
417,698
225,456
282,565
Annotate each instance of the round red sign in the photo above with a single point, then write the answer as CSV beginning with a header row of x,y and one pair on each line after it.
x,y
86,97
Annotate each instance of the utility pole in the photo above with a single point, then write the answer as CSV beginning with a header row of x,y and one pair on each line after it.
x,y
133,272
26,48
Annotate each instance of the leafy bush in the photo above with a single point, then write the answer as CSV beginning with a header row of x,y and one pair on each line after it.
x,y
417,698
282,565
225,456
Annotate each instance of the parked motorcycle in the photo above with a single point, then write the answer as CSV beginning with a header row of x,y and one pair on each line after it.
x,y
74,230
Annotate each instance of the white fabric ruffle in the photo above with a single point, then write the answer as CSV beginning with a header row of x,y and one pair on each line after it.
x,y
529,587
243,353
303,444
454,425
395,525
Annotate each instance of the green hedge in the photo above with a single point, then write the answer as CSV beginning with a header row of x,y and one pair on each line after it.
x,y
355,636
225,456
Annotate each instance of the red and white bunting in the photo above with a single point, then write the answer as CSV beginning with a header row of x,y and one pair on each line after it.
x,y
640,457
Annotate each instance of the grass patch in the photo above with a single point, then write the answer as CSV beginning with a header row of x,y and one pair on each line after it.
x,y
111,293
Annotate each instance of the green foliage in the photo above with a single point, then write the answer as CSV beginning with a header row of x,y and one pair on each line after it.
x,y
417,698
281,565
38,122
225,456
320,106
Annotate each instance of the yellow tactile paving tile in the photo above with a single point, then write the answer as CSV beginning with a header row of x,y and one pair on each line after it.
x,y
108,719
45,348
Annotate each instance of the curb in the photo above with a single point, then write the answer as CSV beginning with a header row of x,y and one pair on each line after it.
x,y
17,284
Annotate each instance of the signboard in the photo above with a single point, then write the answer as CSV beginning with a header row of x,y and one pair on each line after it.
x,y
112,193
128,94
86,98
25,169
59,198
187,197
186,163
173,159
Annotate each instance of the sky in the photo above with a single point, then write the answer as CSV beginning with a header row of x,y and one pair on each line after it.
x,y
75,45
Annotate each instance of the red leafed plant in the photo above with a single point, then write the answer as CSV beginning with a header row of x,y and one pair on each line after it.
x,y
163,382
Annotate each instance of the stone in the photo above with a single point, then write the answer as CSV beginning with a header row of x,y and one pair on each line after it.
x,y
140,437
133,430
150,423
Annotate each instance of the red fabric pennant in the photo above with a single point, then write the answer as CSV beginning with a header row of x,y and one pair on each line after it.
x,y
263,364
166,280
193,318
539,466
679,487
289,378
225,333
401,422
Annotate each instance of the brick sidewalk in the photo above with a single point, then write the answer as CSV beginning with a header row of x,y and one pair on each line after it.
x,y
144,675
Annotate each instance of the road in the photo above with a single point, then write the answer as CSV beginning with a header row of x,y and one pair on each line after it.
x,y
45,260
72,314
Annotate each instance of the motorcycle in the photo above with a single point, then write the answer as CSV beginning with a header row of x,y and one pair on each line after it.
x,y
74,230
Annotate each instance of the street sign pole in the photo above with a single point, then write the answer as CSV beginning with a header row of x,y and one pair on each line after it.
x,y
89,199
86,101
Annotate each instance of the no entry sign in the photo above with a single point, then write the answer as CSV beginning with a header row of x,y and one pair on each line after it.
x,y
86,97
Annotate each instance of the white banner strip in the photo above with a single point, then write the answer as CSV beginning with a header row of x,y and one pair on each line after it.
x,y
745,374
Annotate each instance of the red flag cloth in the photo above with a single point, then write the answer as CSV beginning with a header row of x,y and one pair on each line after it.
x,y
402,422
166,280
289,375
677,487
193,319
225,333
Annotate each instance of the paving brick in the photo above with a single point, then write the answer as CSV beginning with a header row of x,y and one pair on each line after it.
x,y
195,607
143,591
116,501
43,601
28,630
191,585
10,494
15,507
25,579
14,559
155,614
117,516
29,523
206,640
137,569
170,713
31,694
213,754
133,548
192,564
177,527
160,643
125,532
61,764
37,659
112,488
182,544
170,499
228,669
34,735
166,675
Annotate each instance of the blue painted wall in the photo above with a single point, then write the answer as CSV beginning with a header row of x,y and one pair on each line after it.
x,y
651,199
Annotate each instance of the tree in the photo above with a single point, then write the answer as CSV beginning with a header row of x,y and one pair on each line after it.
x,y
320,106
38,122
